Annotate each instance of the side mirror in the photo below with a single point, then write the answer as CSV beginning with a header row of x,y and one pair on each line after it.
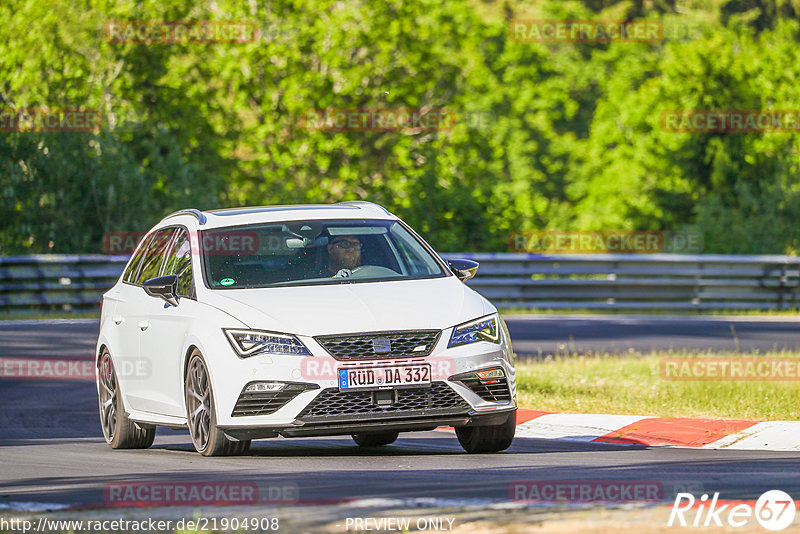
x,y
163,287
464,269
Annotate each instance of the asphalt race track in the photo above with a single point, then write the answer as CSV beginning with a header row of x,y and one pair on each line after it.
x,y
52,450
537,335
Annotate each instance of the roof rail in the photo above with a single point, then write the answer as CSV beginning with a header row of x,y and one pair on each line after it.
x,y
199,215
365,203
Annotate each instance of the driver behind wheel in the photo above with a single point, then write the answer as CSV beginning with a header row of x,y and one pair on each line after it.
x,y
344,255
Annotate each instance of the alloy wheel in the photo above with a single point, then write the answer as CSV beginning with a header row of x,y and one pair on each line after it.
x,y
109,397
198,403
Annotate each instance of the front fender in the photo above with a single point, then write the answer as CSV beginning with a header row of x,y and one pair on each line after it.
x,y
209,339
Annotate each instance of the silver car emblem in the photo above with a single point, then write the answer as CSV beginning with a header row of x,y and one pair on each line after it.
x,y
381,345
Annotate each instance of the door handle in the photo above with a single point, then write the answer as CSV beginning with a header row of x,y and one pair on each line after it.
x,y
118,319
143,325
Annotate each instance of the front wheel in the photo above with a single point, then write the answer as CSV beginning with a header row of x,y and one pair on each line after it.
x,y
118,430
208,440
489,438
375,439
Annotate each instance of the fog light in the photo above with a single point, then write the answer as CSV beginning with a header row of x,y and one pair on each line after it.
x,y
490,373
489,384
260,387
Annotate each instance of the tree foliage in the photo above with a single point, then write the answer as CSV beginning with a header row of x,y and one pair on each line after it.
x,y
559,136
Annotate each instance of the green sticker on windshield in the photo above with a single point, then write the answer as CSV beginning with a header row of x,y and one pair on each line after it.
x,y
227,281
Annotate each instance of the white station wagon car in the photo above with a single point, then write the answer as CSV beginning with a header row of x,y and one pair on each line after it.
x,y
297,321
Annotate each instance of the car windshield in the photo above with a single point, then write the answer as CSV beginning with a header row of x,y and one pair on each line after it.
x,y
314,253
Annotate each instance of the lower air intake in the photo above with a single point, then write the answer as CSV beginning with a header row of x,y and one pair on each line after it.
x,y
491,390
267,402
439,399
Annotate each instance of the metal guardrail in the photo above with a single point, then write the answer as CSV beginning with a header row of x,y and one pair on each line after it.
x,y
638,281
531,281
57,282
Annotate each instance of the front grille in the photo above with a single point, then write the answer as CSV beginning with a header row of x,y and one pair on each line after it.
x,y
439,399
498,391
267,402
380,344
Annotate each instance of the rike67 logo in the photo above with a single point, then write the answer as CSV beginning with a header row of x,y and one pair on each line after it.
x,y
774,510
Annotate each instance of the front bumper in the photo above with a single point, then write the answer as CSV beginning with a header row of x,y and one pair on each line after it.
x,y
314,377
346,426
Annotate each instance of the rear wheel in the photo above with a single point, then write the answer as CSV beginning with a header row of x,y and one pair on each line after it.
x,y
118,431
489,438
375,439
208,440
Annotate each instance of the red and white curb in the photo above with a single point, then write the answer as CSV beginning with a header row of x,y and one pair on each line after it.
x,y
658,431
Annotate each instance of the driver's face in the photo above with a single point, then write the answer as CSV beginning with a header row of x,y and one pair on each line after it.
x,y
344,252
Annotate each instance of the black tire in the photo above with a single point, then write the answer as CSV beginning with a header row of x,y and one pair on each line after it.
x,y
489,438
201,417
118,430
375,439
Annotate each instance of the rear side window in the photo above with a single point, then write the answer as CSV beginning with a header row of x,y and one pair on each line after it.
x,y
154,255
133,266
179,262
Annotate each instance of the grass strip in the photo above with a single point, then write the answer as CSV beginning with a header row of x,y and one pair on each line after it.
x,y
633,384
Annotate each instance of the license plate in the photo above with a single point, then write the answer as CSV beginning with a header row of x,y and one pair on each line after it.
x,y
380,377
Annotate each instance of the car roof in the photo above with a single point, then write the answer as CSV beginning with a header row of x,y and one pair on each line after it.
x,y
257,214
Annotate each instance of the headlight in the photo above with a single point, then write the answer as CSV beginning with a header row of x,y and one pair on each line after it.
x,y
483,329
248,343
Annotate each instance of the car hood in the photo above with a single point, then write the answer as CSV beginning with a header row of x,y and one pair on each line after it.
x,y
358,307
